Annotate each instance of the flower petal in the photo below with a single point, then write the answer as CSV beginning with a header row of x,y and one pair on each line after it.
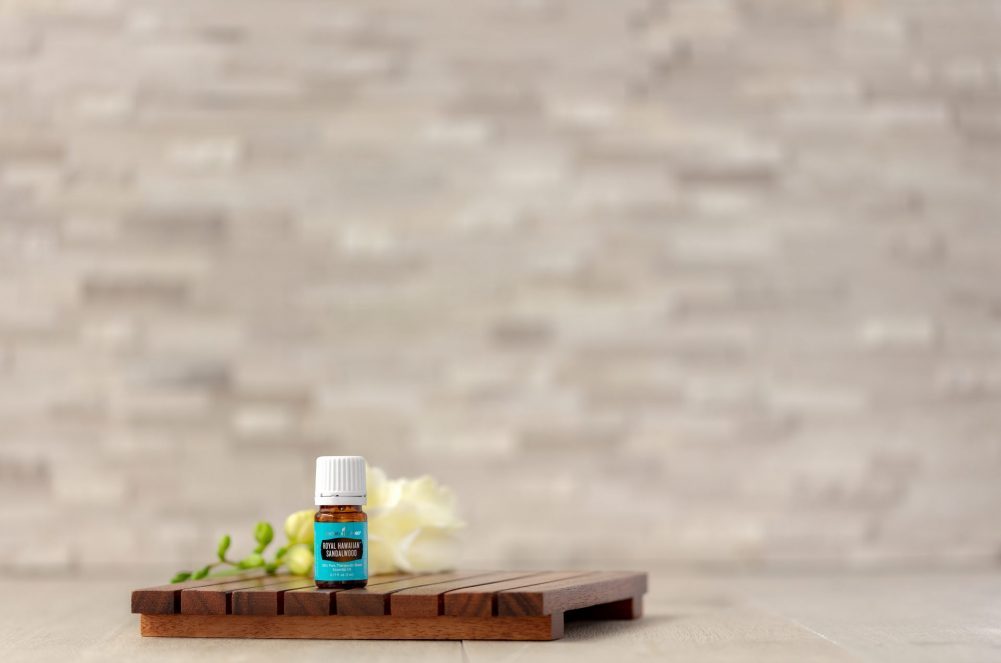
x,y
299,527
299,559
435,502
429,549
381,555
383,493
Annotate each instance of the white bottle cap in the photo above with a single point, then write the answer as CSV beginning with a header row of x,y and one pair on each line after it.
x,y
340,480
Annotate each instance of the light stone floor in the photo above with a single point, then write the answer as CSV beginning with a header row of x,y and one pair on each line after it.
x,y
909,617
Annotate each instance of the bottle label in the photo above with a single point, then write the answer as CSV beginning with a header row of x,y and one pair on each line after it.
x,y
340,551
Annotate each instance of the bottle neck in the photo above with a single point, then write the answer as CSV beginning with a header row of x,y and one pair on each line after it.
x,y
340,508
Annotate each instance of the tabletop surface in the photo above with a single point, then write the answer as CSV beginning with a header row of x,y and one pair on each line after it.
x,y
693,618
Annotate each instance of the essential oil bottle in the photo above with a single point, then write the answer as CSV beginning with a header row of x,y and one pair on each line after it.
x,y
340,527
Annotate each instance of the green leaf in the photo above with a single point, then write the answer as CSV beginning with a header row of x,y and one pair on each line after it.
x,y
181,576
281,553
202,572
251,561
223,547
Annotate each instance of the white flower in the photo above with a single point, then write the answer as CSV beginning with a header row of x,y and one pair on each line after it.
x,y
412,525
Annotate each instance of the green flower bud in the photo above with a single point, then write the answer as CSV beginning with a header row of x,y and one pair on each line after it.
x,y
299,559
299,527
263,533
223,547
251,561
181,576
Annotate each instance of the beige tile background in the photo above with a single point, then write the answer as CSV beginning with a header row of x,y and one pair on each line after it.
x,y
716,281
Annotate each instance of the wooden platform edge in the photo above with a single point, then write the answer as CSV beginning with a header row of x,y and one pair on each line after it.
x,y
351,627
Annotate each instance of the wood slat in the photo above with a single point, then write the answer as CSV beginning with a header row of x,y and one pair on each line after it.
x,y
481,601
545,627
428,601
265,600
561,595
311,602
166,599
216,599
375,600
316,601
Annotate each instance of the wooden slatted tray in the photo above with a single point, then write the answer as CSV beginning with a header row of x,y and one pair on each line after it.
x,y
462,605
